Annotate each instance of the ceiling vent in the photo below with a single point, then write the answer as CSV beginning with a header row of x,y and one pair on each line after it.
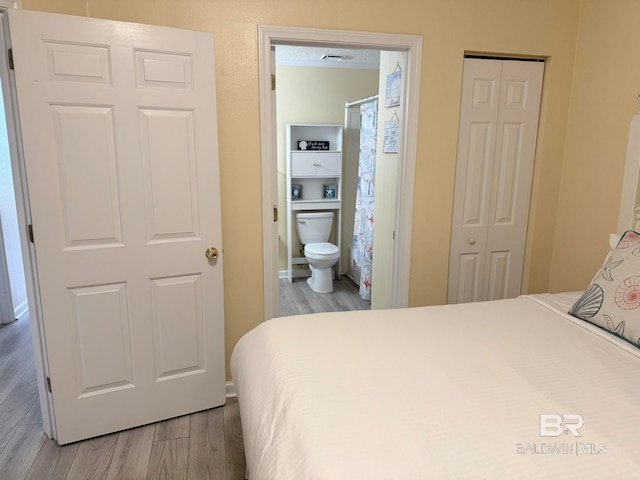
x,y
333,58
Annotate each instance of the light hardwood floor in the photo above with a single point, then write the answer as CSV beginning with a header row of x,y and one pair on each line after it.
x,y
205,445
202,446
297,298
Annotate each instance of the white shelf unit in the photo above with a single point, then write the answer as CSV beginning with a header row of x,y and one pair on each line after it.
x,y
313,170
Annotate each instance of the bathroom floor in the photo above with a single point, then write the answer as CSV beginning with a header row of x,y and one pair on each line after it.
x,y
297,298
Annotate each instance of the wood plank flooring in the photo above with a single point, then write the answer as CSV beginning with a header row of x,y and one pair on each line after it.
x,y
202,446
297,298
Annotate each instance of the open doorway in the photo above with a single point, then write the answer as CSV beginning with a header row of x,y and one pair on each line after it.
x,y
398,255
20,256
13,292
313,87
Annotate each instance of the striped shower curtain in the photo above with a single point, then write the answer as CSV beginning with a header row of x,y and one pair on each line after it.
x,y
362,253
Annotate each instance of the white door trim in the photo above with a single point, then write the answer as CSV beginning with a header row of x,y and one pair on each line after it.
x,y
412,44
24,219
7,312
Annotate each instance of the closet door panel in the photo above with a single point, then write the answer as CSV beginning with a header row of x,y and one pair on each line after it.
x,y
508,173
474,171
469,288
479,164
520,94
499,281
499,111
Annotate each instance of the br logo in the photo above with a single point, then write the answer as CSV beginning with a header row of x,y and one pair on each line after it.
x,y
554,425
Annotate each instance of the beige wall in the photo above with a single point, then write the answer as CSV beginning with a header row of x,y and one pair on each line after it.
x,y
605,87
448,27
313,95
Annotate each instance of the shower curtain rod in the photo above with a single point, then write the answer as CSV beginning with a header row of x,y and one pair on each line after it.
x,y
357,102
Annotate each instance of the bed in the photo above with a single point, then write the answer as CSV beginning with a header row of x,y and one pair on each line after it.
x,y
516,388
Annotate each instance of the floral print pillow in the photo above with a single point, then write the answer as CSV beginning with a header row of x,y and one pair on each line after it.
x,y
612,301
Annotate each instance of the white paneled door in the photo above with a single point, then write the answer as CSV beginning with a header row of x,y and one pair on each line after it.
x,y
120,144
499,113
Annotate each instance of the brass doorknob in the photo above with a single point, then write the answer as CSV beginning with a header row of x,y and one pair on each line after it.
x,y
211,253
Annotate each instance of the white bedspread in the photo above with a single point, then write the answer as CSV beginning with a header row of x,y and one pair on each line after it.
x,y
438,392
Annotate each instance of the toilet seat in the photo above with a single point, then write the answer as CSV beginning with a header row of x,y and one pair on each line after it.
x,y
321,250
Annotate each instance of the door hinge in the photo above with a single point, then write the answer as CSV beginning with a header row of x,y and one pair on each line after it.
x,y
275,214
273,81
49,384
31,233
10,58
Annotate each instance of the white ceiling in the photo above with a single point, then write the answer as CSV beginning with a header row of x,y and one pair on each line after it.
x,y
294,55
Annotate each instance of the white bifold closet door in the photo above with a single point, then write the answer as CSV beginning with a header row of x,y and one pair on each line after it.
x,y
499,113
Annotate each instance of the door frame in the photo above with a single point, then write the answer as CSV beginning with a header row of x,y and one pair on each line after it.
x,y
7,312
412,44
24,219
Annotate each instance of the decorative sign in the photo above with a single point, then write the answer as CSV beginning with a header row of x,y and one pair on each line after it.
x,y
391,133
329,191
313,145
394,88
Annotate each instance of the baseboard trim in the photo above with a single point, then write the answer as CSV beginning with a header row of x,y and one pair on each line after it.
x,y
297,273
301,273
230,390
21,310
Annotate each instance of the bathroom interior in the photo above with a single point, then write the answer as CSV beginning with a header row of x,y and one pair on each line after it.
x,y
326,254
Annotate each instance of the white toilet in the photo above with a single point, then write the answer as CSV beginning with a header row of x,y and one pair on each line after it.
x,y
314,230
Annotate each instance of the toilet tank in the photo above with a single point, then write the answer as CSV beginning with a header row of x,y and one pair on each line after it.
x,y
314,227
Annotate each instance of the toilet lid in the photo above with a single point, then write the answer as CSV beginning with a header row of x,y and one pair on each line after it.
x,y
324,248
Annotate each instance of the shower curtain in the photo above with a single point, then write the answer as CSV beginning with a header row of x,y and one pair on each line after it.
x,y
362,252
